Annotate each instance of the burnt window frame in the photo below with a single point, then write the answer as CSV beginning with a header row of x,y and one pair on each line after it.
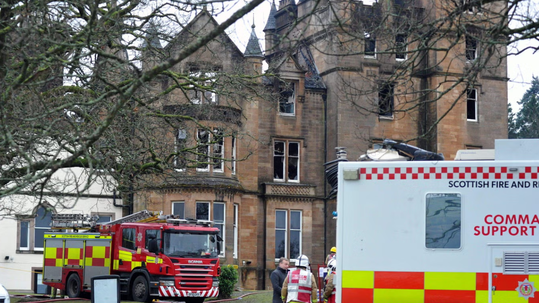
x,y
401,47
203,96
471,48
287,157
287,99
369,45
386,100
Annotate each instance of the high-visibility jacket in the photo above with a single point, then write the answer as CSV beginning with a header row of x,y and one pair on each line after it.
x,y
329,292
299,286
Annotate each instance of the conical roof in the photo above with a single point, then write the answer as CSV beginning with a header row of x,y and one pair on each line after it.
x,y
152,37
271,23
253,47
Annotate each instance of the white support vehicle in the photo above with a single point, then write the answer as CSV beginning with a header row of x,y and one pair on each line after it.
x,y
440,231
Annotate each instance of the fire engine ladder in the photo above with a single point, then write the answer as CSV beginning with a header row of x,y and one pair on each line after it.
x,y
143,216
72,221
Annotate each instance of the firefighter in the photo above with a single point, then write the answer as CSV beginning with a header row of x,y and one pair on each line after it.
x,y
331,254
329,291
300,284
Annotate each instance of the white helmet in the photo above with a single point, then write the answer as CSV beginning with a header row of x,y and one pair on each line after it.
x,y
303,261
332,265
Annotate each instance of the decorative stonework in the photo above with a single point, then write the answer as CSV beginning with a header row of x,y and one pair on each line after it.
x,y
282,189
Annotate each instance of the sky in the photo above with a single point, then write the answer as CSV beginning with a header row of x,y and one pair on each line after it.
x,y
521,68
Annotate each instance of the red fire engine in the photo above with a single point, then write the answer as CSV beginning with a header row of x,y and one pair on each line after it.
x,y
154,256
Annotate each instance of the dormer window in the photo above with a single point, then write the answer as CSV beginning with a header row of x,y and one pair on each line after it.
x,y
287,100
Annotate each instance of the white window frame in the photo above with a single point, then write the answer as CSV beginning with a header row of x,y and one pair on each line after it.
x,y
300,230
31,232
291,100
28,236
233,156
398,50
223,223
469,48
181,216
285,211
199,149
181,136
218,157
369,37
476,104
209,209
235,227
287,230
286,155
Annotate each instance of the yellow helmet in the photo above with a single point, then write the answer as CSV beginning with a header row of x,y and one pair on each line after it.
x,y
333,249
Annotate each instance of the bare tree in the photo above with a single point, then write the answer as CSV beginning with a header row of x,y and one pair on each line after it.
x,y
76,93
417,63
88,84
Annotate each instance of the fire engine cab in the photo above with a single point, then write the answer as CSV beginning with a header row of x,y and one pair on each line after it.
x,y
440,231
154,255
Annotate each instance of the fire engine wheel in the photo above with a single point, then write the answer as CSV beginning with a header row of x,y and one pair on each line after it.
x,y
73,286
140,290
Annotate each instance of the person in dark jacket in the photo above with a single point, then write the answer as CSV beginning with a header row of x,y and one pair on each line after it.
x,y
277,278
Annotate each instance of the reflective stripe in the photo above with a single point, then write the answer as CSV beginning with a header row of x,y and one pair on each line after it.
x,y
399,295
299,286
76,236
438,287
357,279
450,280
125,255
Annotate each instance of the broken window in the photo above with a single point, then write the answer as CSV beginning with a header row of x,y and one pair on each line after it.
x,y
286,161
471,48
370,45
218,150
203,89
180,160
203,149
287,99
401,47
386,100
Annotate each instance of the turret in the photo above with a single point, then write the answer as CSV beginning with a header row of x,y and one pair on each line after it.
x,y
270,30
253,53
151,48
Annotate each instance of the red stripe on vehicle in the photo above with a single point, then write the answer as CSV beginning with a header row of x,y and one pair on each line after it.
x,y
399,280
439,173
481,281
507,282
353,294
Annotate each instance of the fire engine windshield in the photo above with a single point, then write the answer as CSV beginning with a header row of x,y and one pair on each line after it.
x,y
185,244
